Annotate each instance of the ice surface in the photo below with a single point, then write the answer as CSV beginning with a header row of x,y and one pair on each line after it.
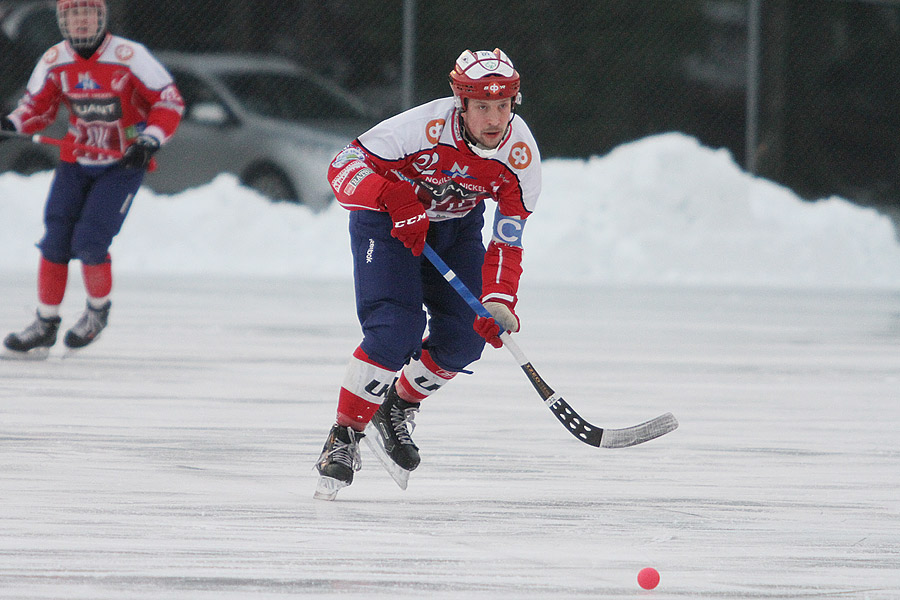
x,y
174,458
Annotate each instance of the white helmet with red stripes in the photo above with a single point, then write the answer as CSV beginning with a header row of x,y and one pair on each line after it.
x,y
485,75
82,22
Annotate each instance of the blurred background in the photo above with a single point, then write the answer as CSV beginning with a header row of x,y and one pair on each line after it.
x,y
803,92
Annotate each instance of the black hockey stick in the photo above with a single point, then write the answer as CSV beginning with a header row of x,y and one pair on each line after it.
x,y
581,429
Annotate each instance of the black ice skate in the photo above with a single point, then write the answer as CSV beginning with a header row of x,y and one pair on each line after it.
x,y
35,341
393,424
92,322
338,461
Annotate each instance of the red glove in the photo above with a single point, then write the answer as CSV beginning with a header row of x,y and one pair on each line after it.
x,y
407,214
489,329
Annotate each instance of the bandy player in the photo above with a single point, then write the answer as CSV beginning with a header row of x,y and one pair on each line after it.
x,y
426,174
121,101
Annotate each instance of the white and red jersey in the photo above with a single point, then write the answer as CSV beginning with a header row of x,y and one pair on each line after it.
x,y
116,94
425,146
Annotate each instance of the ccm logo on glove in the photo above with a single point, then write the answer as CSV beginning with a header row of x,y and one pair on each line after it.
x,y
411,221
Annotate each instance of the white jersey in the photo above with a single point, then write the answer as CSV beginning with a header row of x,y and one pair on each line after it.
x,y
425,146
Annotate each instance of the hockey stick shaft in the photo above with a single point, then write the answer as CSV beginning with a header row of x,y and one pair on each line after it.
x,y
69,144
581,429
472,301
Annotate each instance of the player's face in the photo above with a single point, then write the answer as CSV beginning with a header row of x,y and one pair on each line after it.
x,y
82,21
486,120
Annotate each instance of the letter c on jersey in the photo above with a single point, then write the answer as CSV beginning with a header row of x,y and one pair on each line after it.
x,y
508,229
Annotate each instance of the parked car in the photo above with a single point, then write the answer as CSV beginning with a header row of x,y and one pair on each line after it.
x,y
31,25
26,30
266,119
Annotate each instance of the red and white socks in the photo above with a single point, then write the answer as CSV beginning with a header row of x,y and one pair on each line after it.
x,y
421,378
366,383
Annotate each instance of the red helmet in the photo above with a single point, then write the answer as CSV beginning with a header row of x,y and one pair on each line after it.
x,y
485,75
81,40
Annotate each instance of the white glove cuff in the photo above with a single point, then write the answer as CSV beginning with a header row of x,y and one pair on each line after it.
x,y
503,315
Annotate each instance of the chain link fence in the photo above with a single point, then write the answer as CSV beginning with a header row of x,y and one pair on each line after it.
x,y
595,74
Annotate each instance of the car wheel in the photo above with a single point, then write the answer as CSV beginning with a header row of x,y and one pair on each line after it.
x,y
271,182
29,163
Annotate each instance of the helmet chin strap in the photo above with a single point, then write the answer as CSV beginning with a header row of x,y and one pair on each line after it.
x,y
482,151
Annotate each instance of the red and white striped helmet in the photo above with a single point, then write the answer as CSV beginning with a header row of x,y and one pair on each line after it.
x,y
81,40
485,75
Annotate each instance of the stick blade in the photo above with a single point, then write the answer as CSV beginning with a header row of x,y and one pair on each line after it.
x,y
638,434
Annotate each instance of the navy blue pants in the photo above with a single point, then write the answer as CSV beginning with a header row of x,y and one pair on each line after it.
x,y
392,285
85,210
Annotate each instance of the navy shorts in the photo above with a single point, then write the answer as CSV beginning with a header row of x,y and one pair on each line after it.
x,y
392,286
85,210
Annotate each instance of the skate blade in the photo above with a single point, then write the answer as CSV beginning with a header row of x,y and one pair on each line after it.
x,y
33,354
327,488
71,352
376,445
76,350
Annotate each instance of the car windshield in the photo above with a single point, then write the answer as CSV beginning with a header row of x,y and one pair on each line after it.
x,y
287,96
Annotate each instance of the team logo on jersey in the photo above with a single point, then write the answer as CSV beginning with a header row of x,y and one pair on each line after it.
x,y
347,156
124,52
434,129
451,196
519,155
457,171
51,55
86,82
118,81
424,162
171,96
350,188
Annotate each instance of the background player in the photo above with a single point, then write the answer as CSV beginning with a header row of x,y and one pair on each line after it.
x,y
120,99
